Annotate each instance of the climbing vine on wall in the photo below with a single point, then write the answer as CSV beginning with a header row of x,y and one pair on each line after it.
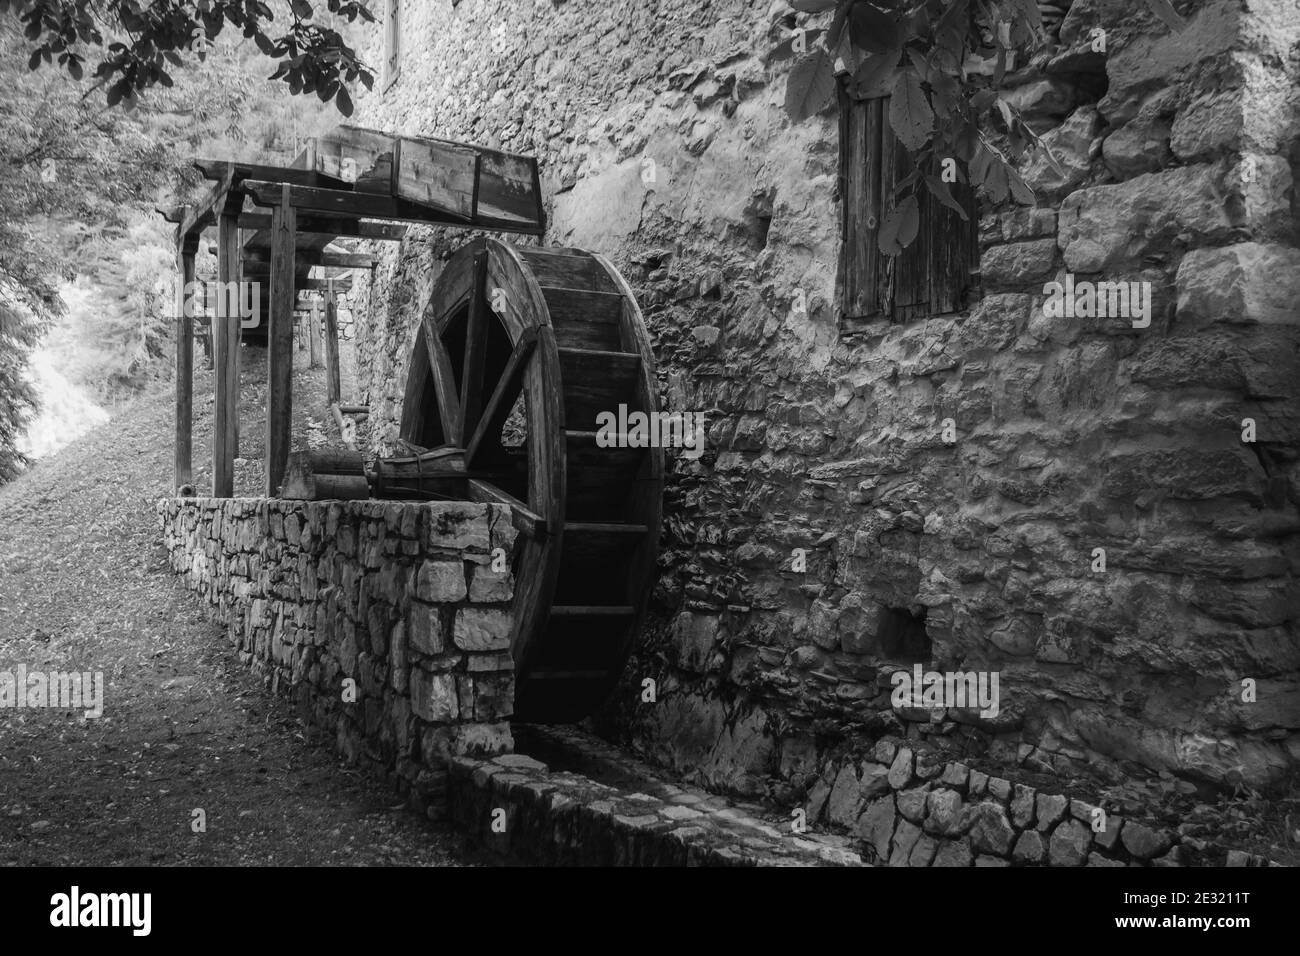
x,y
941,63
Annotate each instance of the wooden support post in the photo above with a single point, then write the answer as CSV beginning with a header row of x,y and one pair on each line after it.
x,y
313,333
225,335
184,332
279,398
332,383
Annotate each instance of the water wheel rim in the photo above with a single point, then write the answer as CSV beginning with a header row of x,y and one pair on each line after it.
x,y
486,282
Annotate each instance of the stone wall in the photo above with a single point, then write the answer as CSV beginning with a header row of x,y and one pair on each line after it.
x,y
912,809
384,622
1072,434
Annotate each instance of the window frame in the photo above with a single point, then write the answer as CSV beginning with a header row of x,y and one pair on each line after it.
x,y
938,271
392,42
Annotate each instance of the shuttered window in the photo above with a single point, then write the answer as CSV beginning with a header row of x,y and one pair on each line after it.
x,y
392,40
932,276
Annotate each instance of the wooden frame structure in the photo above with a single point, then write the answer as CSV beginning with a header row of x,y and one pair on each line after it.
x,y
274,222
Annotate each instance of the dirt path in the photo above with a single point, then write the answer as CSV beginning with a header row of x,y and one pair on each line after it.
x,y
84,586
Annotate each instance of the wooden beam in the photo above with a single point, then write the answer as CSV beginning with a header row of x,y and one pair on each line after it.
x,y
210,207
503,396
327,260
225,415
218,169
279,398
184,457
522,518
324,285
332,384
313,334
335,202
317,225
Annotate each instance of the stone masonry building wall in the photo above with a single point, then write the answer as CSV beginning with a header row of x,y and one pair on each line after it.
x,y
399,599
663,145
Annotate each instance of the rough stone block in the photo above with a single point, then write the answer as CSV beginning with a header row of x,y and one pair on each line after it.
x,y
876,825
1030,848
434,697
1244,284
482,629
1051,807
1143,841
1107,227
424,629
1069,844
457,525
991,831
845,799
954,854
441,582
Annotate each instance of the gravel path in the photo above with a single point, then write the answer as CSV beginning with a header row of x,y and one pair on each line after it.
x,y
84,586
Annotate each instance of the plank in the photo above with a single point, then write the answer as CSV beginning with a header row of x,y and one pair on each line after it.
x,y
344,203
279,397
333,385
506,189
556,269
523,518
363,158
225,414
584,319
437,174
318,225
596,381
314,336
183,471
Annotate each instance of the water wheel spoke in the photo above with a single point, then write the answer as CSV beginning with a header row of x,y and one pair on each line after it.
x,y
444,377
503,396
474,366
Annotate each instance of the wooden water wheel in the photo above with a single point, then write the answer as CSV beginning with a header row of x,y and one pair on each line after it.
x,y
518,350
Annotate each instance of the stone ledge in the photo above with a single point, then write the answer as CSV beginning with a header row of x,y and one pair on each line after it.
x,y
563,818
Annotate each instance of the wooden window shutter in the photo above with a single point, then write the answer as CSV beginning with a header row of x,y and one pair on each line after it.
x,y
932,276
392,40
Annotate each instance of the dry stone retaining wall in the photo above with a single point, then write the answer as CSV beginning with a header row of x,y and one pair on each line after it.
x,y
912,809
399,599
1072,433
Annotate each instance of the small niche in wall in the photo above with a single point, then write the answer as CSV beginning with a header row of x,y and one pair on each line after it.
x,y
902,637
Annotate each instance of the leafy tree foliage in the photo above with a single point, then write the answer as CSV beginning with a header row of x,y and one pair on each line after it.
x,y
145,38
81,179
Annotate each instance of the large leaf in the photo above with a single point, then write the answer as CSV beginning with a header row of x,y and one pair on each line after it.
x,y
900,227
811,85
875,77
939,190
872,30
909,111
1166,12
1019,188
